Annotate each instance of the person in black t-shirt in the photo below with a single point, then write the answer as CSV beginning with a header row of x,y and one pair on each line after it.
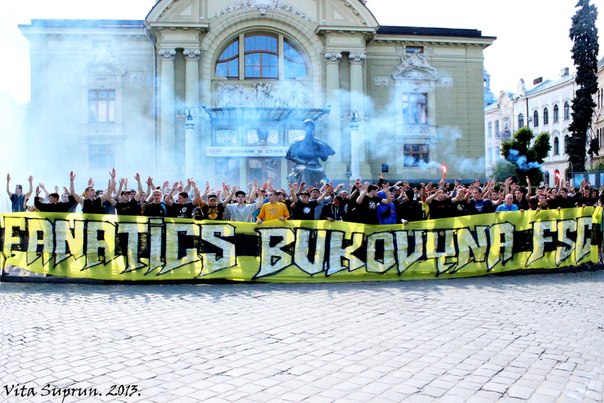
x,y
91,204
367,203
53,205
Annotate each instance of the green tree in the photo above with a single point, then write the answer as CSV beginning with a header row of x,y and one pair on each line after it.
x,y
585,49
502,170
526,155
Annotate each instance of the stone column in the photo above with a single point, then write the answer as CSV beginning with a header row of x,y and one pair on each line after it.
x,y
358,148
167,112
334,167
192,146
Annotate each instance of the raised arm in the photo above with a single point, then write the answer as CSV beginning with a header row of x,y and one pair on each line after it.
x,y
30,180
10,194
139,189
76,196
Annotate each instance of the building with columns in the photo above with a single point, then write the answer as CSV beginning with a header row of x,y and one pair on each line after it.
x,y
218,89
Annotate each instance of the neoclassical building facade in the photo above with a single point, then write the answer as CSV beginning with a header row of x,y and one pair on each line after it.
x,y
546,107
217,90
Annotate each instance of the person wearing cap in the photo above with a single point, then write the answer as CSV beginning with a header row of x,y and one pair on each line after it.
x,y
18,199
210,210
240,210
303,206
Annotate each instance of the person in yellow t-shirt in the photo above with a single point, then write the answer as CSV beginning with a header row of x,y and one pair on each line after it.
x,y
273,210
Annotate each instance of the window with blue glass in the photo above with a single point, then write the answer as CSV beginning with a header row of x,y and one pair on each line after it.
x,y
227,65
264,55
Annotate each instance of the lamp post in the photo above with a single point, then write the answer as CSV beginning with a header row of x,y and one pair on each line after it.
x,y
354,117
188,113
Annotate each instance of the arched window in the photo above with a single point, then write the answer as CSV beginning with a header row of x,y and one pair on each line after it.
x,y
556,113
566,111
227,64
556,146
261,56
566,138
521,120
545,116
264,55
535,119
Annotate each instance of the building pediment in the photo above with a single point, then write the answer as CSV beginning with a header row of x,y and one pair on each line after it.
x,y
328,15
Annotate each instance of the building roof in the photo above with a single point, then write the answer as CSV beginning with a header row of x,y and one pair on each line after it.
x,y
427,31
44,23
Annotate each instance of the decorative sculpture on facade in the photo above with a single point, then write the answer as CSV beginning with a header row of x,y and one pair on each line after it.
x,y
306,152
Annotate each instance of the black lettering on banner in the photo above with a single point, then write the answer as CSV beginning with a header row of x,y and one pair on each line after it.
x,y
182,249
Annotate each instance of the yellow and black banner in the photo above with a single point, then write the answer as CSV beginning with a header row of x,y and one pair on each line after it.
x,y
130,248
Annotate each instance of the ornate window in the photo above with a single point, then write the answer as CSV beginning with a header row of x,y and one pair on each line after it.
x,y
101,106
545,116
556,113
416,154
264,55
566,111
566,138
521,120
556,146
228,62
415,108
535,119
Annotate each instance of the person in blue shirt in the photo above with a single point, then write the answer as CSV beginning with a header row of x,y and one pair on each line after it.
x,y
508,204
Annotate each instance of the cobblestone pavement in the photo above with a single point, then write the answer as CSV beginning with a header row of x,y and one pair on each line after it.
x,y
512,338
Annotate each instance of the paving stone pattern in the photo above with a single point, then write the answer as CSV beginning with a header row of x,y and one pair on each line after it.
x,y
533,337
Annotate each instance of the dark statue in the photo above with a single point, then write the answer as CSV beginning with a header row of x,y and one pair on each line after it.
x,y
305,152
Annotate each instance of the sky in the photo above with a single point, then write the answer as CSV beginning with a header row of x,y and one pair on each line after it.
x,y
532,35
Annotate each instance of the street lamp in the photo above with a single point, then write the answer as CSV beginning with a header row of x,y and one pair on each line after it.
x,y
188,113
354,117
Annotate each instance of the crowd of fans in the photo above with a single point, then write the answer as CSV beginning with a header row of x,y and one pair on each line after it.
x,y
368,203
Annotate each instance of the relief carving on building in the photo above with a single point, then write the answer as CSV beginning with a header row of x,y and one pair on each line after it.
x,y
263,95
262,6
102,62
414,66
381,81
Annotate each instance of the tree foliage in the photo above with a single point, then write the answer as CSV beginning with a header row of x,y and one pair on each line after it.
x,y
585,49
526,155
502,170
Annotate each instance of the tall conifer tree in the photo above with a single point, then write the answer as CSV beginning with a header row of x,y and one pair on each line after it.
x,y
585,49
